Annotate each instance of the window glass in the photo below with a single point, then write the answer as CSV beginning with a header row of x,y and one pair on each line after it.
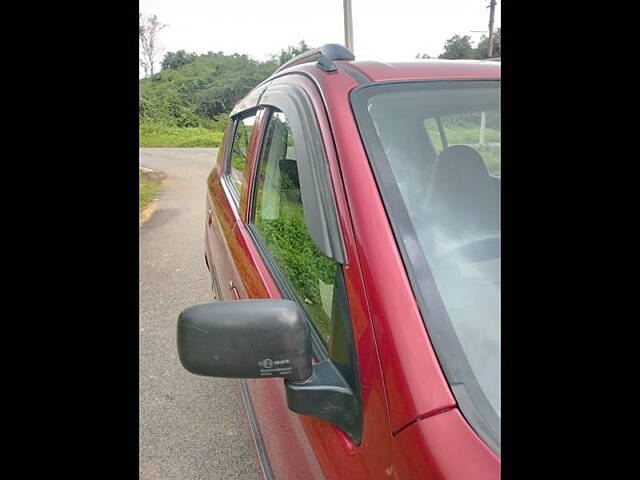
x,y
239,149
280,221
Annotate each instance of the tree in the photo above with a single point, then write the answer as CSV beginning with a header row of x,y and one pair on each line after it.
x,y
482,50
173,61
291,51
150,48
458,47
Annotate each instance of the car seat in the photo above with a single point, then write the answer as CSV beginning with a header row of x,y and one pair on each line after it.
x,y
462,205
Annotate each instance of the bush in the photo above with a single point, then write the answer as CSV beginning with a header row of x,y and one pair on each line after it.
x,y
194,90
188,102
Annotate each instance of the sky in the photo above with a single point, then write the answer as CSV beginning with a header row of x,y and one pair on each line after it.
x,y
383,30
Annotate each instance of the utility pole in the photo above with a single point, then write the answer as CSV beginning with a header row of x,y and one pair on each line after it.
x,y
492,6
348,26
483,117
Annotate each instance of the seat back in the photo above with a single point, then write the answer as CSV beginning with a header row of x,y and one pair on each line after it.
x,y
461,197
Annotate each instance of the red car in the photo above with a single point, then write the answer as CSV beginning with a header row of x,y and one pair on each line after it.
x,y
353,240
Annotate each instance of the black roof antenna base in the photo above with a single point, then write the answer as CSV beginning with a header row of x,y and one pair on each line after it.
x,y
327,65
325,55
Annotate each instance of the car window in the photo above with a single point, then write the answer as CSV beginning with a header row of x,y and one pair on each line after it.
x,y
237,163
280,221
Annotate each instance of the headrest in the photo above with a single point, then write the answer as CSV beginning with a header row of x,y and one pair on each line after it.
x,y
459,195
461,162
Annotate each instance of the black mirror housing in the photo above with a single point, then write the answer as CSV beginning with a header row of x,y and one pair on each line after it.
x,y
245,339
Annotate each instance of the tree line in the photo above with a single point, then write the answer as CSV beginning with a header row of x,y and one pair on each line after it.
x,y
460,47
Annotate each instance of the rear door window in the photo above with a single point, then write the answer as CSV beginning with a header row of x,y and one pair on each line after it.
x,y
236,166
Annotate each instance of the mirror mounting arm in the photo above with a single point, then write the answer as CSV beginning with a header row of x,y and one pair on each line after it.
x,y
327,395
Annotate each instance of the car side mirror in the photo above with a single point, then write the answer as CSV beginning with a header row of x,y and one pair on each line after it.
x,y
246,339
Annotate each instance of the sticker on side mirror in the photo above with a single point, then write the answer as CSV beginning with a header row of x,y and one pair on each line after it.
x,y
274,367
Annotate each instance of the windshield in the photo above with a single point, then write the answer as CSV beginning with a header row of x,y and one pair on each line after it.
x,y
435,150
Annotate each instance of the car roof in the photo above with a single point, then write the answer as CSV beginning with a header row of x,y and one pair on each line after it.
x,y
425,69
373,71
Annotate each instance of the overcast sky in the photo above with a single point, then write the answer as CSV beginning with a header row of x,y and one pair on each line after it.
x,y
383,30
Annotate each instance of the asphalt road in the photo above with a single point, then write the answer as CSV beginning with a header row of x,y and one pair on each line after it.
x,y
191,427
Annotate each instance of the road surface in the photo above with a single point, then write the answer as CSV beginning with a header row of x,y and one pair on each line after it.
x,y
191,427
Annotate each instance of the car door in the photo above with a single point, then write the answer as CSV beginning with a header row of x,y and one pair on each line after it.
x,y
292,239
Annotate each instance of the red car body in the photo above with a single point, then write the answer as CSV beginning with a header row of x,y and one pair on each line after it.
x,y
412,426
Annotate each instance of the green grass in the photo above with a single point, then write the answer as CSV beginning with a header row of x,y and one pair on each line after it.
x,y
491,157
161,135
148,190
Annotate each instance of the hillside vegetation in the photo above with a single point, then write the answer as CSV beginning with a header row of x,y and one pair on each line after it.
x,y
187,102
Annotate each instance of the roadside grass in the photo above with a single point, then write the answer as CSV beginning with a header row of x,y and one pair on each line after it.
x,y
161,135
149,186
